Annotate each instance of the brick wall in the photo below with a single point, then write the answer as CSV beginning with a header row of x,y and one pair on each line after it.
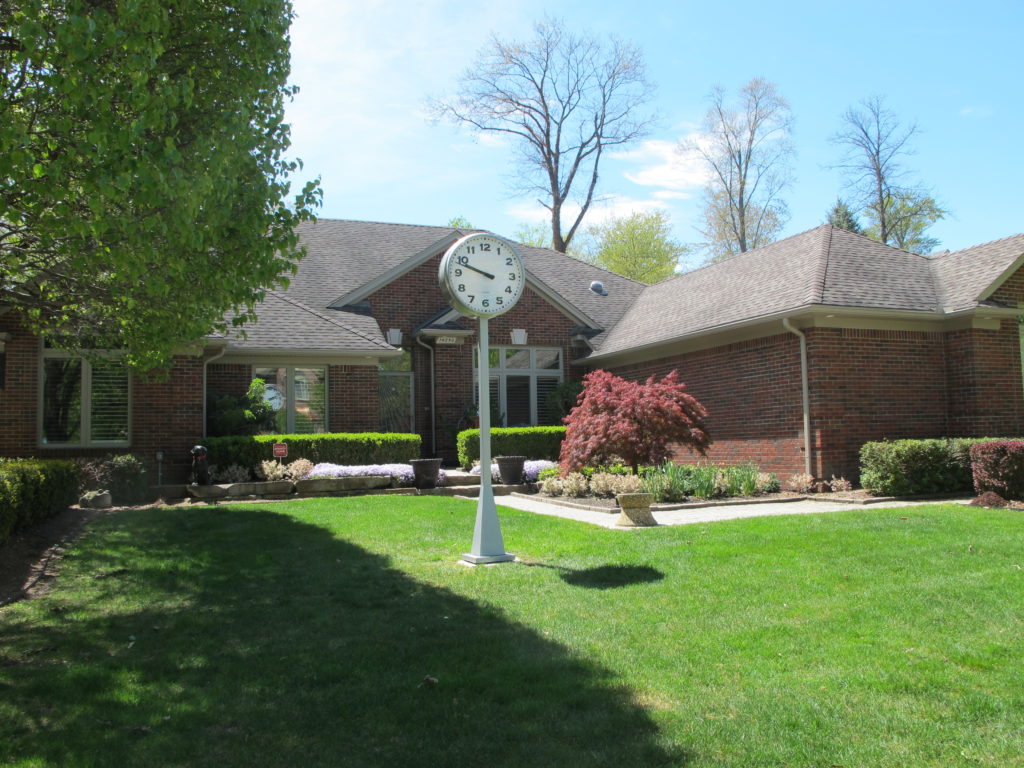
x,y
752,393
353,396
985,380
870,385
166,414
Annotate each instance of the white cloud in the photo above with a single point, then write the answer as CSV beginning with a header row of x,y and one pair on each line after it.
x,y
609,207
663,164
976,111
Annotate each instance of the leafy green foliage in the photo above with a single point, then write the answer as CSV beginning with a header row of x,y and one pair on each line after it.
x,y
129,483
908,215
249,414
907,467
531,442
142,152
334,447
639,246
32,490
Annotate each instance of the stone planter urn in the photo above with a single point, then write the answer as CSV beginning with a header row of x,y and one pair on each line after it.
x,y
635,509
425,472
510,469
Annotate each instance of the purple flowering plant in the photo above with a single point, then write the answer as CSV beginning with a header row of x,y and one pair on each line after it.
x,y
402,472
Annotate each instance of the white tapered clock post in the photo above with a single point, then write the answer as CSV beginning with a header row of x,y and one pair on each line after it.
x,y
483,277
488,545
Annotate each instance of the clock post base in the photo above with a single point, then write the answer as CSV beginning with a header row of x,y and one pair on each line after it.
x,y
487,559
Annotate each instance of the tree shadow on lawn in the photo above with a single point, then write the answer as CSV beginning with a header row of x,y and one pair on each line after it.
x,y
263,640
605,576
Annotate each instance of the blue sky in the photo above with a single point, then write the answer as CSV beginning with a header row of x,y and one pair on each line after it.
x,y
954,68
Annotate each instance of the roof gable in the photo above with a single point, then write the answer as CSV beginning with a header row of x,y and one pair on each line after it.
x,y
972,275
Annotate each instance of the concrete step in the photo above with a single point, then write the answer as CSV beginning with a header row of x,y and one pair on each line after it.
x,y
458,477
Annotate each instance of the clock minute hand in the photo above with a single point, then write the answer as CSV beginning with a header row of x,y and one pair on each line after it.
x,y
488,275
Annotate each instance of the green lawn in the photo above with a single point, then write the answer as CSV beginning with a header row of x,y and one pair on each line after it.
x,y
344,633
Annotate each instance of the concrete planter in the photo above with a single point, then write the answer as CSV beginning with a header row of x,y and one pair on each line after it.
x,y
425,472
268,488
510,469
636,510
341,484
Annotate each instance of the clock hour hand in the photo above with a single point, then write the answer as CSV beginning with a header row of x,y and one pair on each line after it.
x,y
488,275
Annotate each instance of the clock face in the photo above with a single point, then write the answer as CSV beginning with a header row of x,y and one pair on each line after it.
x,y
482,276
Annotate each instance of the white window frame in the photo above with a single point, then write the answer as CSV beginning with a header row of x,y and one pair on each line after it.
x,y
48,353
289,404
501,373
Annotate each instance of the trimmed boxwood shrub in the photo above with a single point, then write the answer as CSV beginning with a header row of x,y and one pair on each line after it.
x,y
909,467
32,490
999,467
333,447
531,442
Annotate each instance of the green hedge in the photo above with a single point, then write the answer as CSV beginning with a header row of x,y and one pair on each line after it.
x,y
32,490
908,467
531,442
337,448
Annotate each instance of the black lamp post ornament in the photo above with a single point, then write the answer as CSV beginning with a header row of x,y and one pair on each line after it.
x,y
483,277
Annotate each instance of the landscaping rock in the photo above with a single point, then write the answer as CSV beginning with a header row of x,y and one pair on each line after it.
x,y
267,488
340,484
208,491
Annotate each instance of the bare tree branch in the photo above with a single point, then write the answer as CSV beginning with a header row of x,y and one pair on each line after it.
x,y
749,154
565,98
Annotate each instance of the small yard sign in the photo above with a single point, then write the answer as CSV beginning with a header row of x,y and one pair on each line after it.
x,y
280,450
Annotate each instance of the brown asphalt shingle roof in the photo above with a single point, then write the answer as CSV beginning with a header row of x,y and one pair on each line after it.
x,y
822,266
287,324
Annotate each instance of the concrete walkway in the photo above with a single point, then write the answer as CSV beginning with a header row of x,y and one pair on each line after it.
x,y
702,514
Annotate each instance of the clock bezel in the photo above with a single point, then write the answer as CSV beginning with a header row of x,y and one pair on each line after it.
x,y
452,295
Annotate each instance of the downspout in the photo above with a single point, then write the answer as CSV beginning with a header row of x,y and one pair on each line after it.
x,y
433,417
206,362
806,391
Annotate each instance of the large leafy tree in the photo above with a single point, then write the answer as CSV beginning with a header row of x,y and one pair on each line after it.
x,y
143,169
563,98
875,145
639,246
748,151
907,215
635,421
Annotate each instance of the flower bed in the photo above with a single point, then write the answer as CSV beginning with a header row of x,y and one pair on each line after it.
x,y
402,473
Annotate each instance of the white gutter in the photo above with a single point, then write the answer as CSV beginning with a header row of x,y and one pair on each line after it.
x,y
804,385
433,416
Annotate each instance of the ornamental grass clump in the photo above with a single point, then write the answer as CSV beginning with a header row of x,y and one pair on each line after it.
x,y
403,473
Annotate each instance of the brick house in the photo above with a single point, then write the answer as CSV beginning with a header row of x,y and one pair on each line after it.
x,y
801,351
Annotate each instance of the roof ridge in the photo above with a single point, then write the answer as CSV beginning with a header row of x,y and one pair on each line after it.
x,y
581,261
394,224
821,276
327,318
743,254
979,245
886,245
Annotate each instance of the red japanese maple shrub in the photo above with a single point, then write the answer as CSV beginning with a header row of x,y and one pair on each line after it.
x,y
631,420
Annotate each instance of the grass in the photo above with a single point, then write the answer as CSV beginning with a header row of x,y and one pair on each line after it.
x,y
344,633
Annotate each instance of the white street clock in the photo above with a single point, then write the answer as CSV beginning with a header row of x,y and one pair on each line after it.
x,y
482,276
